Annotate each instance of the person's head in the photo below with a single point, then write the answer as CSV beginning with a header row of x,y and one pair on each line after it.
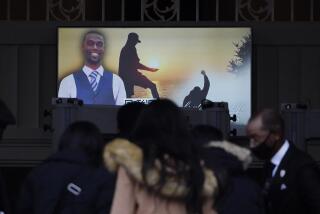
x,y
206,133
83,136
221,162
163,125
162,133
195,92
133,38
127,117
266,133
93,47
6,117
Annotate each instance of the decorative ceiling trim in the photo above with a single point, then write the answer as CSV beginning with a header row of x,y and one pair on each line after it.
x,y
160,10
66,10
255,10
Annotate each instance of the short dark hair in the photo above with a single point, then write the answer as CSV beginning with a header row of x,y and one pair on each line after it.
x,y
203,134
93,32
127,117
84,136
271,121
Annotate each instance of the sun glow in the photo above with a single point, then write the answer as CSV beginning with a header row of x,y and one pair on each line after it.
x,y
154,63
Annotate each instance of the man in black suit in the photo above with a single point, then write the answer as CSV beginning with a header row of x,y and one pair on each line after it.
x,y
292,178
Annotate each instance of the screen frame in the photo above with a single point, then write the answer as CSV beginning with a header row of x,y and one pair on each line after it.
x,y
202,24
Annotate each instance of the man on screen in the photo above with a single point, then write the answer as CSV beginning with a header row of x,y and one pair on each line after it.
x,y
129,64
93,84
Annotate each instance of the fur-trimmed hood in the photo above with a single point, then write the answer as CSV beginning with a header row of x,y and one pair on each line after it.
x,y
242,154
121,152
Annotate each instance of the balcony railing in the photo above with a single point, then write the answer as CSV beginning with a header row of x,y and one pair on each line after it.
x,y
161,10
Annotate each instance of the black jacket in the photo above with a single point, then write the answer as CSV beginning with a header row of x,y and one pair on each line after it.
x,y
295,188
67,183
239,194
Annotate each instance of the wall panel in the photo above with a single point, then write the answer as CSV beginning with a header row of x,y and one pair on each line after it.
x,y
310,76
289,74
28,90
48,79
266,77
9,76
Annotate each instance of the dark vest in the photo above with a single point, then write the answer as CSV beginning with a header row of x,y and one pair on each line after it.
x,y
103,94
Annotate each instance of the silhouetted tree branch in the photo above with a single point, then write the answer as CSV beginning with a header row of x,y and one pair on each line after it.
x,y
242,54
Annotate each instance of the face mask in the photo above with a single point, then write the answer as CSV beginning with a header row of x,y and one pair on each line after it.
x,y
262,151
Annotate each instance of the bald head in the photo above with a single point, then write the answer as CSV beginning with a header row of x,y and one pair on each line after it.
x,y
268,120
266,127
255,122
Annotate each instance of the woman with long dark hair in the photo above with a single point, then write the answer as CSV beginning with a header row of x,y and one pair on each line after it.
x,y
160,172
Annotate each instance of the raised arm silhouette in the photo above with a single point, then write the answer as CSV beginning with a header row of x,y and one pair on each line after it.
x,y
196,95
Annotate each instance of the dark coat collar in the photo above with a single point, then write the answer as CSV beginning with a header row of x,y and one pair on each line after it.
x,y
75,156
